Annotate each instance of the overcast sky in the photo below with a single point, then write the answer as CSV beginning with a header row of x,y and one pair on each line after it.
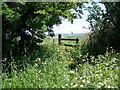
x,y
76,27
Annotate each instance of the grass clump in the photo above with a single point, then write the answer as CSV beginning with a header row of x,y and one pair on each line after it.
x,y
51,68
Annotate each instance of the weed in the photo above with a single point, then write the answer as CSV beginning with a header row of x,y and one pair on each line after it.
x,y
50,68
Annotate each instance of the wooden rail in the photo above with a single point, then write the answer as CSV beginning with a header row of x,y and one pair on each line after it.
x,y
70,39
69,45
67,39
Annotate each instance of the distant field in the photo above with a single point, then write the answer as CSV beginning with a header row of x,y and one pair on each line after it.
x,y
71,35
81,37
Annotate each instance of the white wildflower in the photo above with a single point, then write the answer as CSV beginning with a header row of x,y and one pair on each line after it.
x,y
39,71
83,80
109,78
96,75
71,71
71,84
98,86
75,85
81,86
36,65
101,84
76,78
109,86
101,74
38,59
88,81
84,76
66,84
81,77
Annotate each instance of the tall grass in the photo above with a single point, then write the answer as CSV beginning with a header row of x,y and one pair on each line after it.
x,y
51,69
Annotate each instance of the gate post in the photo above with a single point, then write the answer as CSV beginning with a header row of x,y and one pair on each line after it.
x,y
59,37
77,40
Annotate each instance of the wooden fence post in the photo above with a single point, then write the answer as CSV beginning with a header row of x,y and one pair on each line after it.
x,y
59,37
77,40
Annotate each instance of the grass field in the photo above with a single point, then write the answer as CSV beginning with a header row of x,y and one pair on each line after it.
x,y
57,66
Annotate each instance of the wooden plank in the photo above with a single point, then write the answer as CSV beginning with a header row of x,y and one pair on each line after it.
x,y
77,40
68,39
69,45
59,38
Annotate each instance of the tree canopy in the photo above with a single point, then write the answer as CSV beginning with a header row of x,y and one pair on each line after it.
x,y
20,16
105,27
38,17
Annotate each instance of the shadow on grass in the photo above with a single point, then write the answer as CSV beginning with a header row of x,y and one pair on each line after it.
x,y
19,62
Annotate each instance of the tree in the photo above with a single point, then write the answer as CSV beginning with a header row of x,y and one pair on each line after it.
x,y
105,27
17,17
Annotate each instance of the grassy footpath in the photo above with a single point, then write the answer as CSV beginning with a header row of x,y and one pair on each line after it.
x,y
52,70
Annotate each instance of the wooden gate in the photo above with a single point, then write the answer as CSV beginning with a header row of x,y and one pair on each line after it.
x,y
67,39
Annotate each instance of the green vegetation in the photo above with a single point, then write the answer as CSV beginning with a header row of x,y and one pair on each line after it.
x,y
56,68
17,17
37,61
105,27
